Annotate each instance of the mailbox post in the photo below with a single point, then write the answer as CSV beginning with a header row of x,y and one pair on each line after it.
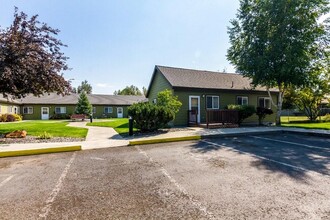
x,y
130,125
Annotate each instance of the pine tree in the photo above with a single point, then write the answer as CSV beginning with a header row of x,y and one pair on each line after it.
x,y
83,105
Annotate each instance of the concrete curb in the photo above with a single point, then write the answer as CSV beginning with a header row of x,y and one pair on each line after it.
x,y
15,153
164,140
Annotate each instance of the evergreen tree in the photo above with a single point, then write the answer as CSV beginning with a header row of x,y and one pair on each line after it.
x,y
83,105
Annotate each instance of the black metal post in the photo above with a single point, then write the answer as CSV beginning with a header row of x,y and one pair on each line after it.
x,y
91,118
130,126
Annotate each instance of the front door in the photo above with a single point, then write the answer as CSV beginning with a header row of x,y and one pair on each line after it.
x,y
119,112
44,113
194,105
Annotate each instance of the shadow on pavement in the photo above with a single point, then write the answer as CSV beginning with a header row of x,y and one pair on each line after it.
x,y
291,160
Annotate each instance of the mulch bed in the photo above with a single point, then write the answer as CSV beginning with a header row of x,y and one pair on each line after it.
x,y
33,139
160,131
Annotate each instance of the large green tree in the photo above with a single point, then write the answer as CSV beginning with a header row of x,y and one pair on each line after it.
x,y
129,90
85,86
279,43
31,61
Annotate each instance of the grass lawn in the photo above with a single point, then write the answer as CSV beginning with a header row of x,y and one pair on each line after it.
x,y
36,128
119,124
286,123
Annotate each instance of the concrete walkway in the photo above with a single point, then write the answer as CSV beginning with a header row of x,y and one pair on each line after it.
x,y
103,137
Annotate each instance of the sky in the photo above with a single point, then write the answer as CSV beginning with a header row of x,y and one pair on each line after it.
x,y
117,43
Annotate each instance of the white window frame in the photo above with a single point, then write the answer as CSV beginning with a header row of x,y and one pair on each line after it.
x,y
107,111
10,109
242,98
264,98
213,96
29,110
62,110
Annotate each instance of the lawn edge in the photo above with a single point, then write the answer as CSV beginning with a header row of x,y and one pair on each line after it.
x,y
39,151
164,140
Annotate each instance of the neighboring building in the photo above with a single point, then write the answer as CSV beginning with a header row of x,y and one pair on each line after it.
x,y
202,90
45,107
9,105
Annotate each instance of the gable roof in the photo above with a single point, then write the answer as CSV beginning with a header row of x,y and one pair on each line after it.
x,y
94,99
189,78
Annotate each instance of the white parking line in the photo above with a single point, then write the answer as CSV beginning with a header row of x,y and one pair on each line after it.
x,y
57,188
292,143
195,202
267,159
6,180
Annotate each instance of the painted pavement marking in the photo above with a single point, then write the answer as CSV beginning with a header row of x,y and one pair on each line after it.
x,y
292,143
195,202
271,160
57,188
6,180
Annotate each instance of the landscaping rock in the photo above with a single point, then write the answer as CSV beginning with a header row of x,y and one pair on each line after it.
x,y
16,134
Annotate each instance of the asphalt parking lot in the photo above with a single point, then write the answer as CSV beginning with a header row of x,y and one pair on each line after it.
x,y
281,176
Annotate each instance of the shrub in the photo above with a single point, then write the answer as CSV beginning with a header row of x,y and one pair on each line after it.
x,y
167,99
244,111
150,117
262,112
10,117
17,117
45,135
327,118
3,118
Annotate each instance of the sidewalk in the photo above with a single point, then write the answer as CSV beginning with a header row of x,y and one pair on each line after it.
x,y
103,137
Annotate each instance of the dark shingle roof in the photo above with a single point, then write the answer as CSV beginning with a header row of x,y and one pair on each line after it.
x,y
94,99
189,78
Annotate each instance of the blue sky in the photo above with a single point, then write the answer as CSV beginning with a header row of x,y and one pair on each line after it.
x,y
112,44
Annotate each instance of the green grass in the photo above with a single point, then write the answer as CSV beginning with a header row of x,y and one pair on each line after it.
x,y
119,124
324,125
36,128
286,122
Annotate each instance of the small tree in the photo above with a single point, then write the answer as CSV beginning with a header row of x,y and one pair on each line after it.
x,y
262,113
167,99
83,105
244,111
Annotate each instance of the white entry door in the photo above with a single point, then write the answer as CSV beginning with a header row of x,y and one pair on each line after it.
x,y
44,113
194,104
120,113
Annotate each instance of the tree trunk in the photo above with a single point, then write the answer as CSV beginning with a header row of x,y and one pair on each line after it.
x,y
279,108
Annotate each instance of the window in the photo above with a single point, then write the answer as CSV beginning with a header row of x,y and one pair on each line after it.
x,y
0,108
10,109
242,100
94,110
212,102
107,110
60,110
264,102
27,110
154,101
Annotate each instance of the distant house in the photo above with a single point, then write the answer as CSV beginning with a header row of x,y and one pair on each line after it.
x,y
47,106
204,90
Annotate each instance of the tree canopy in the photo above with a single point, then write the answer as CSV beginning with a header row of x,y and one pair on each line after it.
x,y
279,43
31,61
84,86
129,90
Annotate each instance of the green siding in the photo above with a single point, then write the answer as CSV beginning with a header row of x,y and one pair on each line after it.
x,y
225,98
70,110
159,84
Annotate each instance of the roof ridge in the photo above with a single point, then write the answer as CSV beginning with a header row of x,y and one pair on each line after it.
x,y
198,70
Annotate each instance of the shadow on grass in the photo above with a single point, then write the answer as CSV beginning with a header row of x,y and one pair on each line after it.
x,y
291,160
